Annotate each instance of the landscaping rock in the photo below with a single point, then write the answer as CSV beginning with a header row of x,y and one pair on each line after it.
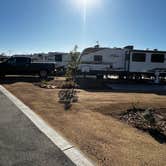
x,y
146,120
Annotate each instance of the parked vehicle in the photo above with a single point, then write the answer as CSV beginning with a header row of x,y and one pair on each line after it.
x,y
3,57
24,66
59,59
124,62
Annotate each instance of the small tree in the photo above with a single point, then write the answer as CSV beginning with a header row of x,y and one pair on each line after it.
x,y
67,96
73,65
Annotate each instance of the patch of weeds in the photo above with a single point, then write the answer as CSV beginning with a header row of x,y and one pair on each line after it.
x,y
68,84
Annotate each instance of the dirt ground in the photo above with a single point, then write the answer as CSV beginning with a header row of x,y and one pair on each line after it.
x,y
90,126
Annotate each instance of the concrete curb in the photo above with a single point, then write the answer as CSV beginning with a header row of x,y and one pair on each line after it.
x,y
71,151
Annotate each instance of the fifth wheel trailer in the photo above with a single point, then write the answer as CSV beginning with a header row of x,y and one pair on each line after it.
x,y
125,62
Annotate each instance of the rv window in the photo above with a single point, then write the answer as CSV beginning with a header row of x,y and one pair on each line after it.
x,y
158,58
58,58
98,58
139,57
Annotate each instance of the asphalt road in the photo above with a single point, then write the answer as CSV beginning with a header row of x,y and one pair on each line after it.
x,y
22,144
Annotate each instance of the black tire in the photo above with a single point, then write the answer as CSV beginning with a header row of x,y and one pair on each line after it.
x,y
100,77
43,73
2,76
121,77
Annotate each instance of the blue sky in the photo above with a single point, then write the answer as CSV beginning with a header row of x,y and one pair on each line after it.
x,y
28,26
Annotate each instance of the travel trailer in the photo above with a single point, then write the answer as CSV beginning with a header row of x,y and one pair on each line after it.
x,y
124,62
60,60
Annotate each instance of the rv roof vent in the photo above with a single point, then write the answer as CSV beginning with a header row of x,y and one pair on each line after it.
x,y
97,46
116,48
129,47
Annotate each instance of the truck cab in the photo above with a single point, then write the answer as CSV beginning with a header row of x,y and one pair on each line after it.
x,y
15,65
24,66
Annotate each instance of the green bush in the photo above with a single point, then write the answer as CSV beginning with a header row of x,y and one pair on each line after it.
x,y
68,94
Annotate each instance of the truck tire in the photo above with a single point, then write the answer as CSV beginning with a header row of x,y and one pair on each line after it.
x,y
100,77
43,73
2,76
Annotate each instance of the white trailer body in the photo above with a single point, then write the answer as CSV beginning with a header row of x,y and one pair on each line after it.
x,y
105,59
60,60
147,61
122,61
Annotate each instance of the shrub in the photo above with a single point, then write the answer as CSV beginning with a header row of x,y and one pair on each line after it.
x,y
68,94
67,97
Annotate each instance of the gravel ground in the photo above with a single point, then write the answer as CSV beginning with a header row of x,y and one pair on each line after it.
x,y
91,127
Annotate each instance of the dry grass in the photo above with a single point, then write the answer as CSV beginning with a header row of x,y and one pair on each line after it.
x,y
89,126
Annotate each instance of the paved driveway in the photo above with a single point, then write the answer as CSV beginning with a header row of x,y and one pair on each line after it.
x,y
22,144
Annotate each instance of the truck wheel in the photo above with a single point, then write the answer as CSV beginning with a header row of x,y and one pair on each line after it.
x,y
2,76
100,77
43,73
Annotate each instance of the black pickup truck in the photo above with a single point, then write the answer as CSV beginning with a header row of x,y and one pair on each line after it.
x,y
24,66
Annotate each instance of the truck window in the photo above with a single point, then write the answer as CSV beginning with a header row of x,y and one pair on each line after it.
x,y
138,57
58,58
98,58
22,60
157,58
11,61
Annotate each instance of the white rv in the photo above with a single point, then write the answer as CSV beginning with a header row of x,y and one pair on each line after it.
x,y
147,61
60,60
124,62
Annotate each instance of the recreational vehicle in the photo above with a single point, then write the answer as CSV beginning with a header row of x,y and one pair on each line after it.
x,y
124,62
60,60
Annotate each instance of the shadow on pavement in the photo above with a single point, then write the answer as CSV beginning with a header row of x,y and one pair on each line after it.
x,y
121,86
94,85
